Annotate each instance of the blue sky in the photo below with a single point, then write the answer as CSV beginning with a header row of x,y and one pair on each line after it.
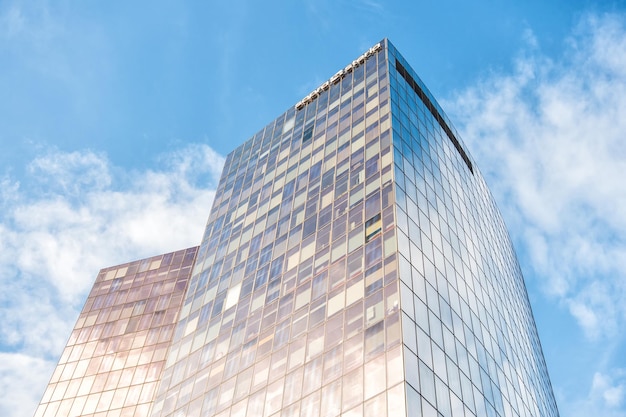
x,y
115,117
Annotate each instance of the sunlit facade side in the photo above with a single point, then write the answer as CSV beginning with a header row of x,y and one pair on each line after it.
x,y
293,308
114,357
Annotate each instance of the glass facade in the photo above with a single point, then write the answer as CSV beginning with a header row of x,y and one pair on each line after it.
x,y
294,305
470,343
354,264
115,355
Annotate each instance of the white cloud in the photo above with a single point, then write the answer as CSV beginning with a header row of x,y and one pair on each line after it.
x,y
69,173
20,375
551,137
72,216
606,397
610,390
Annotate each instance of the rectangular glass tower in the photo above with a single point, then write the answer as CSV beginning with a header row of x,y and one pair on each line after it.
x,y
354,264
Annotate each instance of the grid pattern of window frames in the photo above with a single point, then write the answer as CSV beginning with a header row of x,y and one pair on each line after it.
x,y
293,306
114,358
470,342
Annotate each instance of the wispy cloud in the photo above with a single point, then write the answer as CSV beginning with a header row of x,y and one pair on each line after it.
x,y
20,376
611,389
606,397
71,173
74,214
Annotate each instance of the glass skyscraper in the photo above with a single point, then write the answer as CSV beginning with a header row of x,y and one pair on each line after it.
x,y
354,264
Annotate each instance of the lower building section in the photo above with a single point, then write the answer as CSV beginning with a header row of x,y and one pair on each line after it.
x,y
114,358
